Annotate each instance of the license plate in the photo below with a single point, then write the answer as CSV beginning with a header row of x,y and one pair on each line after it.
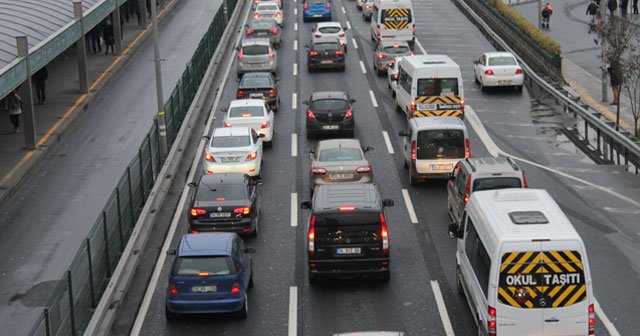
x,y
348,250
326,62
256,95
262,34
504,82
256,65
341,176
426,106
330,127
204,289
447,166
231,159
317,15
219,214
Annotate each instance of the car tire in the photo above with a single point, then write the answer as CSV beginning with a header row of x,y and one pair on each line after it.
x,y
406,164
386,276
393,93
251,283
278,45
482,87
244,311
276,108
256,229
343,68
309,135
519,88
171,316
398,108
412,180
239,75
475,78
458,281
380,73
309,69
304,19
312,279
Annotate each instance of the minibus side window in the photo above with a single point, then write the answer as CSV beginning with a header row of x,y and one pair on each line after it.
x,y
478,256
405,81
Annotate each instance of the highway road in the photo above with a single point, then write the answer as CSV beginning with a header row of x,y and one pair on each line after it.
x,y
602,202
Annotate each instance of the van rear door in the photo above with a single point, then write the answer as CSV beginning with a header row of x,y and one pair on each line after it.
x,y
396,23
438,150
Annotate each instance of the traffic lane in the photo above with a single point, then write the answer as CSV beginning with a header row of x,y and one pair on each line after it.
x,y
71,186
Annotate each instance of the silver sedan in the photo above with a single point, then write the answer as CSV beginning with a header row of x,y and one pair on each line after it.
x,y
340,161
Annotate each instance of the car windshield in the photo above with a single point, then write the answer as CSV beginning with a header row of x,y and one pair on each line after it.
x,y
502,60
246,111
491,183
438,87
220,192
440,144
396,49
231,141
261,25
329,30
207,265
329,104
340,154
256,82
253,50
326,46
267,8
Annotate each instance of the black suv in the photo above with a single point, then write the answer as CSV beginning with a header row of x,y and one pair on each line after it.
x,y
330,113
348,234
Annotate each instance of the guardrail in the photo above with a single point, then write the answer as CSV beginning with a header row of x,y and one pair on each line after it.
x,y
70,307
595,132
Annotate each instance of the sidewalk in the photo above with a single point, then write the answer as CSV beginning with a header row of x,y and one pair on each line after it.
x,y
581,65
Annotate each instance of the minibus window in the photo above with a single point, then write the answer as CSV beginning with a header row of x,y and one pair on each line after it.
x,y
478,256
438,87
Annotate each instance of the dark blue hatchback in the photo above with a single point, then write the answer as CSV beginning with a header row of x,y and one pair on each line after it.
x,y
210,274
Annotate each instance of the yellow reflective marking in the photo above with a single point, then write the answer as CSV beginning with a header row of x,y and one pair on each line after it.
x,y
566,292
562,261
548,262
576,259
508,297
576,296
519,264
508,261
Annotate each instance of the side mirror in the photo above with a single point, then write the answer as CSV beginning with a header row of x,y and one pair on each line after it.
x,y
249,250
223,109
260,135
475,62
171,252
206,137
403,133
352,101
368,149
345,28
454,231
305,205
277,79
387,202
192,184
306,102
452,178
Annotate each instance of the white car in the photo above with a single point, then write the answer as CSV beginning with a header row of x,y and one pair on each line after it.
x,y
359,4
330,29
234,150
498,69
279,2
252,113
269,10
392,74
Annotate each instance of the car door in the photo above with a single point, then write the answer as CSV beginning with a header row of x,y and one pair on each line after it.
x,y
479,67
407,146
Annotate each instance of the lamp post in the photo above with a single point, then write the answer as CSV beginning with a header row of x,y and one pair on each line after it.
x,y
162,120
603,42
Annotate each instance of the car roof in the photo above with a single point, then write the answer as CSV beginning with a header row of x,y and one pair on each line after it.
x,y
325,39
223,178
392,43
231,131
205,244
256,41
363,196
329,24
247,102
329,94
438,123
371,333
335,143
490,164
269,20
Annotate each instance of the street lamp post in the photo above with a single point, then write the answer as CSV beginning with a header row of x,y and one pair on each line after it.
x,y
603,42
162,120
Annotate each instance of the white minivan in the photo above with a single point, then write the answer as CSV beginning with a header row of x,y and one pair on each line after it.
x,y
522,266
433,146
393,20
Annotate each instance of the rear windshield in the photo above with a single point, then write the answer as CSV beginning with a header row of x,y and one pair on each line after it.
x,y
231,141
256,82
253,50
491,183
330,104
355,227
326,46
246,112
316,2
267,8
340,154
329,30
396,18
502,60
437,87
203,266
440,144
261,24
220,192
396,49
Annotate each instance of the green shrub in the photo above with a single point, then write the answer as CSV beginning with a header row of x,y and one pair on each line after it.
x,y
546,43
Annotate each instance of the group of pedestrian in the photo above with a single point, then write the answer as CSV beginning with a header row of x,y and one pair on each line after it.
x,y
612,6
102,33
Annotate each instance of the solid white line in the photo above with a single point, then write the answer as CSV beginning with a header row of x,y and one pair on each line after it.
x,y
407,202
364,70
348,24
295,45
355,44
472,117
294,144
294,209
293,311
421,47
295,11
295,69
294,100
295,26
442,308
343,10
605,320
373,98
387,141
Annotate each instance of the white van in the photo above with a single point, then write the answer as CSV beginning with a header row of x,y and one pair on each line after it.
x,y
429,86
522,265
433,146
393,20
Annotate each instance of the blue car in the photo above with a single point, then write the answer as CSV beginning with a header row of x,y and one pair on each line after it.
x,y
316,9
210,274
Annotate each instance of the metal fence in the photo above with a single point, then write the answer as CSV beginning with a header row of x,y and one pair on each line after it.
x,y
70,306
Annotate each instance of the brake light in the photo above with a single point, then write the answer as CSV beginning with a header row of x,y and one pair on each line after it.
x,y
414,147
278,14
272,93
347,208
318,171
462,104
467,149
385,234
524,181
310,115
519,71
249,32
252,156
413,107
195,212
339,52
227,124
328,5
235,287
242,211
274,31
592,320
395,76
382,56
488,72
271,54
311,249
317,35
306,6
209,157
348,115
240,94
256,15
341,35
313,53
491,322
203,274
240,55
219,198
467,190
265,124
173,290
363,170
413,30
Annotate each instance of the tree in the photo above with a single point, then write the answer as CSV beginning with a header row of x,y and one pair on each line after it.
x,y
632,84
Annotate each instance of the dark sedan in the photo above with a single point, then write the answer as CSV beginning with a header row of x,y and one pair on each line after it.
x,y
330,113
260,85
225,202
325,53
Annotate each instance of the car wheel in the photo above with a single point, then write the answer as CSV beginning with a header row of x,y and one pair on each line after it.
x,y
244,311
343,68
239,75
171,316
406,164
270,143
278,45
398,108
276,108
519,88
475,78
312,279
482,87
380,73
459,282
386,276
393,93
304,19
412,180
310,69
251,284
309,135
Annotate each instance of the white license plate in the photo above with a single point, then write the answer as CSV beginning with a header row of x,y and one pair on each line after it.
x,y
341,176
326,62
204,289
219,215
318,15
330,127
256,95
447,166
504,82
426,106
231,159
348,250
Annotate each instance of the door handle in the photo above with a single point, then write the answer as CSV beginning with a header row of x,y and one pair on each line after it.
x,y
552,320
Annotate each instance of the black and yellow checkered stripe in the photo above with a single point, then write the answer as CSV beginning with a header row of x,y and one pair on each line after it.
x,y
538,266
396,12
449,100
439,100
443,113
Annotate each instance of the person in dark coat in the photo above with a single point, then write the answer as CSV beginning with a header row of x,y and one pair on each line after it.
x,y
107,33
624,5
635,6
39,79
612,5
94,37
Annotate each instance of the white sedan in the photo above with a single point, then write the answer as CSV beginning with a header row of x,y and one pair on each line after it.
x,y
330,29
252,113
234,150
498,69
269,10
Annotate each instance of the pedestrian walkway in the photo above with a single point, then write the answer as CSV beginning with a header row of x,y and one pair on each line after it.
x,y
581,64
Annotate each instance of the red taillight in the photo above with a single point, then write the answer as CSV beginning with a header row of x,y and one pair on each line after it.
x,y
488,72
395,76
363,170
227,124
462,104
385,234
272,93
524,181
240,55
413,30
252,156
306,6
467,149
271,54
413,107
249,32
240,94
592,320
256,15
382,56
313,53
318,171
235,287
348,115
328,5
414,148
311,249
317,35
242,211
339,52
342,35
310,115
278,14
209,157
519,71
195,212
491,322
265,124
467,190
173,290
274,31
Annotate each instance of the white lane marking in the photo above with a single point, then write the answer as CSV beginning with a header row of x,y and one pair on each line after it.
x,y
605,320
295,26
294,100
623,211
387,141
294,144
295,11
407,202
373,98
476,123
295,69
364,70
153,281
421,47
355,44
294,209
295,45
348,25
293,311
442,308
343,10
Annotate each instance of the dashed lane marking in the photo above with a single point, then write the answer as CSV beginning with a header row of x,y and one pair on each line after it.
x,y
293,311
373,98
364,70
348,24
605,320
355,43
294,209
442,308
294,144
387,141
295,69
343,10
295,45
295,26
294,100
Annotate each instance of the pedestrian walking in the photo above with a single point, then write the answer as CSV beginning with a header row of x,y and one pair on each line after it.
x,y
124,12
39,79
624,6
615,79
13,104
612,5
136,5
592,10
635,7
95,37
109,38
